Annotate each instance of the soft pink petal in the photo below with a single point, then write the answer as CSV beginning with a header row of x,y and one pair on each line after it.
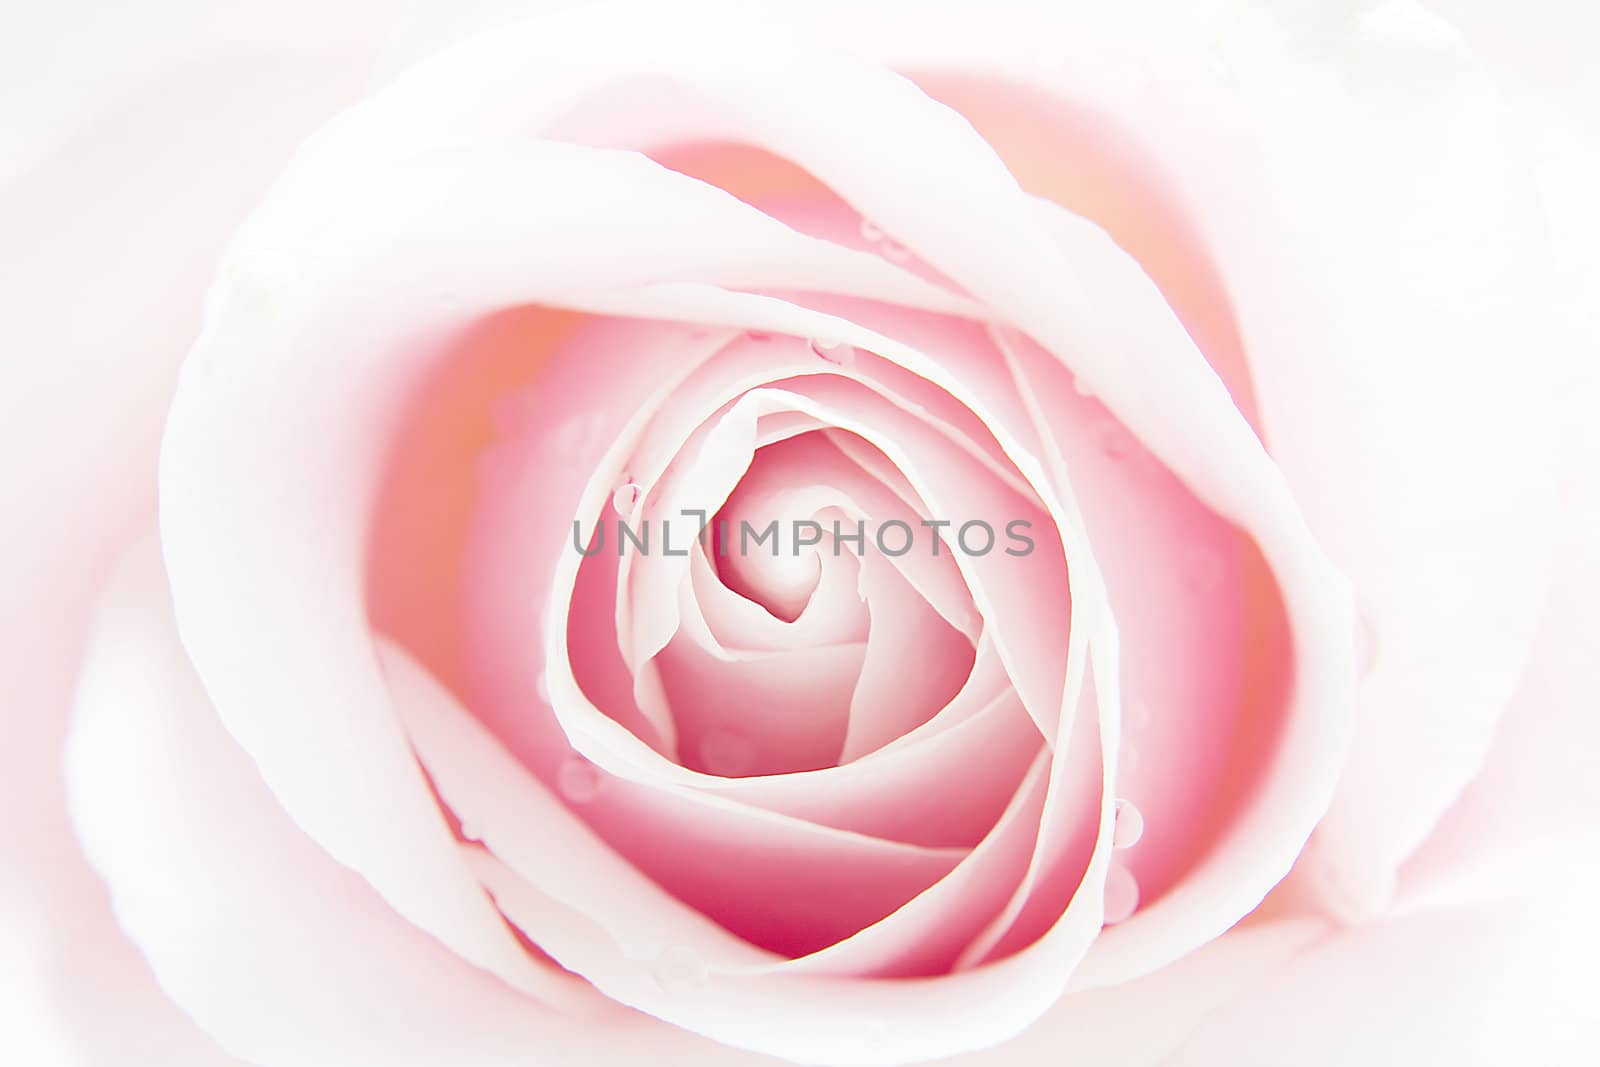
x,y
916,789
928,934
285,956
887,704
1527,821
783,712
105,282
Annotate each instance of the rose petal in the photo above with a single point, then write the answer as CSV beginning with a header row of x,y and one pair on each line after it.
x,y
886,704
231,904
926,936
105,281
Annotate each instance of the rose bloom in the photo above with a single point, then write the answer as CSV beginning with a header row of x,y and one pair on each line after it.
x,y
342,345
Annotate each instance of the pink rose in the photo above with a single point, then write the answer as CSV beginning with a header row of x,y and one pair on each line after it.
x,y
748,533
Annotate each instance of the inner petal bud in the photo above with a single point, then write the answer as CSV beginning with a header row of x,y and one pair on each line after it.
x,y
781,570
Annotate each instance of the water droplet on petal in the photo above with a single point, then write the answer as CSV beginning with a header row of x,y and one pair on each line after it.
x,y
578,780
1129,825
1122,894
887,246
1081,386
836,352
1366,646
626,498
758,335
469,833
678,970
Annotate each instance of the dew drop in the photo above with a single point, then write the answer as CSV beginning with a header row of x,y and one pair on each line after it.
x,y
1129,825
578,780
836,352
678,970
1081,386
758,335
469,833
626,497
1122,894
887,246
